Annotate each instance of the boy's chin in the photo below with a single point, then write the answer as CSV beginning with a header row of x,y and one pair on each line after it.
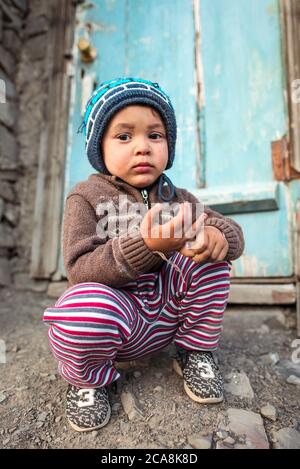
x,y
142,181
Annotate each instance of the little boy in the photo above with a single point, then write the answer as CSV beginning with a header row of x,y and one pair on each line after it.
x,y
135,289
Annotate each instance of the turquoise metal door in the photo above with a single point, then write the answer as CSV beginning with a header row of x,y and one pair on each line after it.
x,y
221,62
244,112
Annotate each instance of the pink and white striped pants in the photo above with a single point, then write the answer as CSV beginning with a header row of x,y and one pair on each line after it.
x,y
93,325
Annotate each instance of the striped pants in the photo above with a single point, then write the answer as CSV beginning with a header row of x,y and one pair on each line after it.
x,y
93,325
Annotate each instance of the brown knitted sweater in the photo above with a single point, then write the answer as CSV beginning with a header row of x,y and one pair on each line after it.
x,y
118,260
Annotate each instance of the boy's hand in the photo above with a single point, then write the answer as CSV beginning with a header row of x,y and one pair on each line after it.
x,y
210,245
172,235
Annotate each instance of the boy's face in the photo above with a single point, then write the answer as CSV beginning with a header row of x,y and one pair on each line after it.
x,y
135,145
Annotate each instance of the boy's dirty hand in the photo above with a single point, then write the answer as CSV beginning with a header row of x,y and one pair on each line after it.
x,y
210,245
171,235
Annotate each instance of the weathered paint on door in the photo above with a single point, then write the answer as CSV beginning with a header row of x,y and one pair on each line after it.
x,y
245,112
151,39
237,115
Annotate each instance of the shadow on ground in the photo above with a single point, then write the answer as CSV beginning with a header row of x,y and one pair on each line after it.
x,y
261,408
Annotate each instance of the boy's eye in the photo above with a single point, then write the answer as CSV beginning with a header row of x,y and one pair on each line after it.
x,y
155,136
123,137
126,137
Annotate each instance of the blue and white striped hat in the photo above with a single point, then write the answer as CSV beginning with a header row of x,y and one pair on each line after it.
x,y
113,95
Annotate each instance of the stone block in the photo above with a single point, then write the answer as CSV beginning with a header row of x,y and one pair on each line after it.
x,y
3,98
8,150
1,25
8,176
246,424
56,289
23,281
287,438
30,76
268,411
7,192
36,47
5,273
2,205
36,25
21,5
8,114
40,8
266,294
12,42
199,441
28,153
239,385
6,237
287,368
10,89
7,62
11,214
11,15
18,263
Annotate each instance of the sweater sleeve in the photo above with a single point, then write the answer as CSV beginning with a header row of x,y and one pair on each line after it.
x,y
90,258
231,230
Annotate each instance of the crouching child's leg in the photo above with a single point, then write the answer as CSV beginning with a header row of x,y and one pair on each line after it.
x,y
88,325
203,299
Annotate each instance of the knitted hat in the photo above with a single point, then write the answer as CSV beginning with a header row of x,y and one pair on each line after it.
x,y
113,95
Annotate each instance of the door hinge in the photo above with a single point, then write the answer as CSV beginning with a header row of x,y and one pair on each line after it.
x,y
281,161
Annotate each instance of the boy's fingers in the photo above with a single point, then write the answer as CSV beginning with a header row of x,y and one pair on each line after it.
x,y
196,227
180,226
201,257
177,223
200,244
216,251
223,254
206,246
187,252
169,229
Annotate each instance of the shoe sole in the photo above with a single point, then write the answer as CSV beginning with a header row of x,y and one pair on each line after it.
x,y
208,400
79,429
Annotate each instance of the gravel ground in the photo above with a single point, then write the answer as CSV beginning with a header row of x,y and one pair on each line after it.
x,y
256,357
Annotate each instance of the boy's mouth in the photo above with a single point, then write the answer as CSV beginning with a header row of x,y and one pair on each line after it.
x,y
142,167
145,164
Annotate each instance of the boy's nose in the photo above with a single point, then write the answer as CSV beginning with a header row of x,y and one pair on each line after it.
x,y
142,147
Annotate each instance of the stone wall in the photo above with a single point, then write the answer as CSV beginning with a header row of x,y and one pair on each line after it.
x,y
12,18
23,70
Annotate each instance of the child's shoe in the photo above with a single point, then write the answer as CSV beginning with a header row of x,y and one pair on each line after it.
x,y
87,408
203,381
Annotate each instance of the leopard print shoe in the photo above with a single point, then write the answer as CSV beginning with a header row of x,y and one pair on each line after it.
x,y
203,381
87,408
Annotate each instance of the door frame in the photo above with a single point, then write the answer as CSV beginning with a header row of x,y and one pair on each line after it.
x,y
290,21
47,217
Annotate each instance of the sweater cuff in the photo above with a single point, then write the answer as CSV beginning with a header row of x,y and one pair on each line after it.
x,y
230,234
137,255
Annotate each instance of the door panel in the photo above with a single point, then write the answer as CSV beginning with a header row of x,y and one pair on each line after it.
x,y
152,40
244,112
242,105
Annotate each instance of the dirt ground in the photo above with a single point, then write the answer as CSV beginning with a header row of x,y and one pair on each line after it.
x,y
32,393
